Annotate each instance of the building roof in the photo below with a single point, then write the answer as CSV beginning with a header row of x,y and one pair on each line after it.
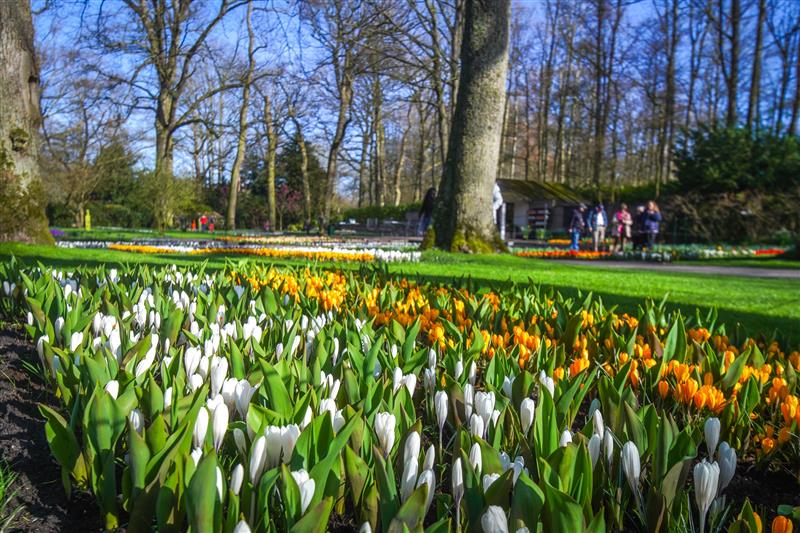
x,y
537,190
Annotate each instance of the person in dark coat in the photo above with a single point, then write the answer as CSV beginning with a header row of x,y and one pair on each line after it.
x,y
638,228
652,223
576,226
426,211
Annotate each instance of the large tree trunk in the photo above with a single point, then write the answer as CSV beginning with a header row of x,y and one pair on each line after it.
x,y
242,137
464,218
22,215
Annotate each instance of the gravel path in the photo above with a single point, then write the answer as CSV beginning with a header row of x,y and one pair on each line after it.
x,y
715,270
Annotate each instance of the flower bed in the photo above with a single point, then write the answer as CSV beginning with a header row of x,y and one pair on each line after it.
x,y
299,399
309,253
564,254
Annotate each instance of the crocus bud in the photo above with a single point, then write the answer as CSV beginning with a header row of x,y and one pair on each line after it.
x,y
430,458
219,425
440,403
76,341
476,426
473,371
306,486
608,447
431,359
137,420
196,455
200,428
112,388
631,465
494,520
566,438
426,478
407,482
411,447
240,440
458,481
711,431
594,448
527,409
459,370
727,465
508,386
469,397
488,479
257,458
475,458
237,477
706,480
365,528
597,422
384,427
242,527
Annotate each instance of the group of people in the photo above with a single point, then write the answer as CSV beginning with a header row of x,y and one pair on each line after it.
x,y
640,229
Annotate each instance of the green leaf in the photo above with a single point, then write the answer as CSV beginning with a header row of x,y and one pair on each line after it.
x,y
561,512
411,514
201,496
315,519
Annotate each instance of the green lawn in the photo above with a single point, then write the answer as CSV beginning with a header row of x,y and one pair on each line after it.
x,y
759,304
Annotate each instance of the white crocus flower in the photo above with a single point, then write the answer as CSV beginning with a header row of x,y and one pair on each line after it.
x,y
631,466
200,428
711,430
706,481
494,520
440,404
112,388
488,479
475,458
76,341
257,458
237,477
219,424
594,448
566,438
427,478
727,465
306,486
384,427
527,409
597,423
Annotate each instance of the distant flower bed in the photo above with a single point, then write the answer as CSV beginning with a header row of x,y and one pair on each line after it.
x,y
56,233
364,255
564,254
662,254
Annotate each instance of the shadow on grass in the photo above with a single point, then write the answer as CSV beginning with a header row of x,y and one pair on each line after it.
x,y
784,329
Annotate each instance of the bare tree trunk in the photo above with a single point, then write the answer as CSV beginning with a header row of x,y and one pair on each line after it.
x,y
272,155
301,143
242,137
464,218
796,101
22,215
363,175
755,83
401,160
342,120
380,142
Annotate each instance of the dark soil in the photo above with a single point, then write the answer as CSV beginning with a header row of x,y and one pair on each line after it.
x,y
23,446
766,490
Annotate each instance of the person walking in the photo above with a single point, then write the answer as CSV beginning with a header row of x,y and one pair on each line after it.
x,y
638,228
576,226
598,224
426,211
652,222
623,221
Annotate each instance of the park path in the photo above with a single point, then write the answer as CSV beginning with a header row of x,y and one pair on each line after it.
x,y
715,270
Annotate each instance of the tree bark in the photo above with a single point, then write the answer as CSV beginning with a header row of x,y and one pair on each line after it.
x,y
464,217
272,155
242,137
301,143
22,215
755,83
